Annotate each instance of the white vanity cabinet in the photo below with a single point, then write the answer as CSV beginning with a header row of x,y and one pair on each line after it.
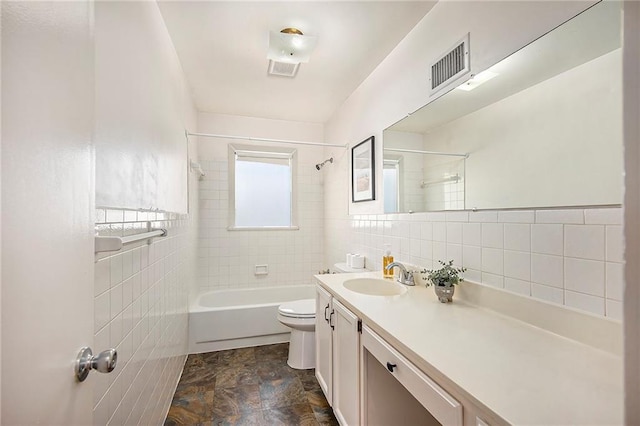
x,y
338,357
396,392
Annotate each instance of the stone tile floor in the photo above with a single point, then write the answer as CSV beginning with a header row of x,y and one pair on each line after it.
x,y
248,386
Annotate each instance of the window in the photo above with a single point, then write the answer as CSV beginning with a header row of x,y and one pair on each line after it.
x,y
391,184
261,192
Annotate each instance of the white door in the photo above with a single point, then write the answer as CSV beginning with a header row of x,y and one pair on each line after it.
x,y
47,210
324,342
346,366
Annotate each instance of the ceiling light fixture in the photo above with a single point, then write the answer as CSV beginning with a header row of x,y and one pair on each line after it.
x,y
287,49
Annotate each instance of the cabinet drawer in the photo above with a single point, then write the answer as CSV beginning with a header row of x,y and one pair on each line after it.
x,y
436,400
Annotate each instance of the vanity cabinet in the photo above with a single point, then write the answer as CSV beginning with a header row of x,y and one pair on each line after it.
x,y
396,392
338,357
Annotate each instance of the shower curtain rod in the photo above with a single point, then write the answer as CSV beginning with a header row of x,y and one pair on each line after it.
x,y
416,151
210,135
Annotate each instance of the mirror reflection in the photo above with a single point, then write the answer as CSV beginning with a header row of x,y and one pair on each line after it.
x,y
541,128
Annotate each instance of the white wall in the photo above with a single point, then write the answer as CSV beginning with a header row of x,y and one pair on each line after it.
x,y
143,107
227,258
141,295
399,86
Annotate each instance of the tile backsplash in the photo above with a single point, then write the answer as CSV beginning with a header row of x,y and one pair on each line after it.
x,y
572,257
141,309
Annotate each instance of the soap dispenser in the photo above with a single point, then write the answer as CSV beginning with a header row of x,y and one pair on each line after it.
x,y
386,260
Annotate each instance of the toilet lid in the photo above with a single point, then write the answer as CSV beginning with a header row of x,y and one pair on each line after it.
x,y
299,308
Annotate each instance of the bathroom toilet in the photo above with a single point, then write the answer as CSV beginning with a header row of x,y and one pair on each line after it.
x,y
300,316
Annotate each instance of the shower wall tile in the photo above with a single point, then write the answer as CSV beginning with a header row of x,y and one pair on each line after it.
x,y
227,259
571,257
141,309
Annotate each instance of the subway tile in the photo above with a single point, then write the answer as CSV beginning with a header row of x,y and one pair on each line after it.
x,y
114,216
492,261
116,270
127,265
454,252
547,270
584,302
483,216
518,286
474,275
516,216
613,309
550,294
459,216
454,233
472,234
547,239
493,280
472,257
439,251
517,237
440,231
614,244
584,241
614,280
607,216
102,273
426,231
426,249
560,216
116,300
517,264
493,235
585,276
101,311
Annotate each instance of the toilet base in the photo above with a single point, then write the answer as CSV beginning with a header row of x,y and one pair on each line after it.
x,y
302,350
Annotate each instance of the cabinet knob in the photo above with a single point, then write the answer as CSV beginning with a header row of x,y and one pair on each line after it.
x,y
390,366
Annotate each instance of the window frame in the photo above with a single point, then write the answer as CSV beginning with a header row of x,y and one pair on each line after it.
x,y
262,152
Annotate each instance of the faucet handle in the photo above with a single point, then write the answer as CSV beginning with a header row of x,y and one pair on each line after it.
x,y
406,277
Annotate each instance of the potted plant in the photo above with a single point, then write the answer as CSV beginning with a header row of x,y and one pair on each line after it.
x,y
443,280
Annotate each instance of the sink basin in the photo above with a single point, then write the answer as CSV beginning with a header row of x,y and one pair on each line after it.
x,y
374,287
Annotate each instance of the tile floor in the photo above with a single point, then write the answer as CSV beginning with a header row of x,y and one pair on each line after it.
x,y
248,386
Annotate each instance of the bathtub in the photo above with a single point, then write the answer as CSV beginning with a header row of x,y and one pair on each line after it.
x,y
228,319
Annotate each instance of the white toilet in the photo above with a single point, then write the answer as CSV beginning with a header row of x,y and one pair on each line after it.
x,y
300,316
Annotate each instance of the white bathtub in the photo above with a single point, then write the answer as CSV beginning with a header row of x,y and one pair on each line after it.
x,y
227,319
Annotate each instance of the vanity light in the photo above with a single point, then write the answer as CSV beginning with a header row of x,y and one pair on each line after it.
x,y
290,46
477,80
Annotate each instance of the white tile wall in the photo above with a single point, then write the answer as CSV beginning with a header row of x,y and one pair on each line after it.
x,y
141,309
572,257
228,258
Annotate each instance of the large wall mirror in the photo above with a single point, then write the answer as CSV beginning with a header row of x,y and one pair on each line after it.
x,y
541,128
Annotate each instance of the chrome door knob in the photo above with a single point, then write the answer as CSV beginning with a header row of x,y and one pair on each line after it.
x,y
105,362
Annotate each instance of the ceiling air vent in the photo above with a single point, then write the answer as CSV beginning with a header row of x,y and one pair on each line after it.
x,y
451,66
283,69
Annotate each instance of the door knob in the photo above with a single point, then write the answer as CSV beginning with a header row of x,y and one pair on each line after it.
x,y
104,362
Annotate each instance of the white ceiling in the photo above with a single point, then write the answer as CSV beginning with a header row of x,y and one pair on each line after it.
x,y
222,46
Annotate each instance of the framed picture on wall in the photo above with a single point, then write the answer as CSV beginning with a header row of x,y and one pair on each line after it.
x,y
363,181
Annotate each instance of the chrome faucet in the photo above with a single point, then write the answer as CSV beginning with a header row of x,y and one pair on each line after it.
x,y
405,277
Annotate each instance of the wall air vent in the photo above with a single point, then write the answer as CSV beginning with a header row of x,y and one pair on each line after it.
x,y
451,66
283,69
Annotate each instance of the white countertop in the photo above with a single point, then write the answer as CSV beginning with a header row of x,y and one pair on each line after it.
x,y
523,374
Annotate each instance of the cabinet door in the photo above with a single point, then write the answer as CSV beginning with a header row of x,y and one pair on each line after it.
x,y
346,366
324,372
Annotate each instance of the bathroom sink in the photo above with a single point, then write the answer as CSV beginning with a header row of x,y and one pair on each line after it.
x,y
374,287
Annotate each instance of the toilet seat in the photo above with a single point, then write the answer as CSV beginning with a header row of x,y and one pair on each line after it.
x,y
305,308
